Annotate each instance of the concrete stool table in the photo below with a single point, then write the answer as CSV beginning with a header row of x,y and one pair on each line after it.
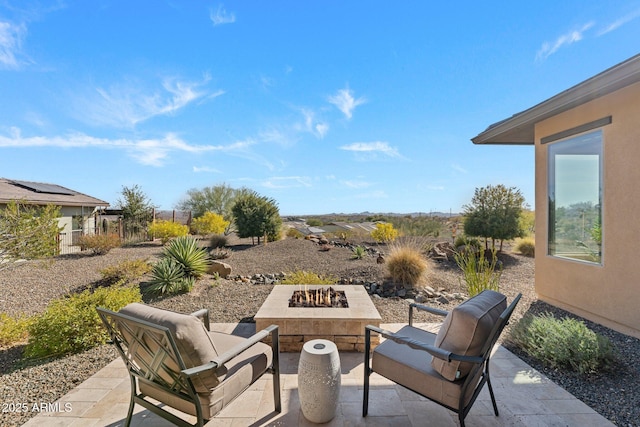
x,y
319,378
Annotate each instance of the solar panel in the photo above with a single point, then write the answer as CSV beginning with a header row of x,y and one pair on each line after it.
x,y
43,188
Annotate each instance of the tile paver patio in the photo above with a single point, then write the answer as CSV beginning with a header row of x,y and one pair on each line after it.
x,y
525,398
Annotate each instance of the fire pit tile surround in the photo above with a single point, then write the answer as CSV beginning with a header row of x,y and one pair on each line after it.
x,y
297,325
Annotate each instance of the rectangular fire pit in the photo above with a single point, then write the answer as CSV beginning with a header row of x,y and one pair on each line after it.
x,y
297,325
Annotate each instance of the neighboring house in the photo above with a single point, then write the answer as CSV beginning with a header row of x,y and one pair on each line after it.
x,y
79,212
587,181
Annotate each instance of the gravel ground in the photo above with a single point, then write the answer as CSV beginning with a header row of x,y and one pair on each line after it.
x,y
28,288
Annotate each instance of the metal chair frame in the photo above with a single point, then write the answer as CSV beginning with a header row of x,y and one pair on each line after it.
x,y
481,363
151,356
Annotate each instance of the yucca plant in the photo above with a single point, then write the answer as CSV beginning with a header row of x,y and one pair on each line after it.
x,y
358,252
167,277
185,251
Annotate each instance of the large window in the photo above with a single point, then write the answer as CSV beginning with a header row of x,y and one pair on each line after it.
x,y
575,197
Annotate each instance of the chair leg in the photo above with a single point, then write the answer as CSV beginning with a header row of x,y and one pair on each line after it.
x,y
367,372
493,398
275,348
132,403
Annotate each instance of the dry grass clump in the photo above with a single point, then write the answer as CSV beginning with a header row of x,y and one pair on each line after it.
x,y
526,247
406,264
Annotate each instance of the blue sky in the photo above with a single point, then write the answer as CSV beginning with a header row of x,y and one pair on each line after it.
x,y
324,106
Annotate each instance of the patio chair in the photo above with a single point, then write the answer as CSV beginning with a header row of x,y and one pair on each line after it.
x,y
450,367
174,359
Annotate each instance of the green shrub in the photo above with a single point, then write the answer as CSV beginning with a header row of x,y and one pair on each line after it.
x,y
99,244
209,223
28,231
168,277
479,273
406,265
70,325
384,233
301,277
218,241
125,272
526,247
194,260
13,330
167,230
296,234
359,252
565,343
314,222
467,241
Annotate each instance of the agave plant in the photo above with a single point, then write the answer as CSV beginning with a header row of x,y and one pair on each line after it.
x,y
358,252
185,251
166,277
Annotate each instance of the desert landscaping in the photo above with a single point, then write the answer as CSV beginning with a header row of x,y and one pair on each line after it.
x,y
27,288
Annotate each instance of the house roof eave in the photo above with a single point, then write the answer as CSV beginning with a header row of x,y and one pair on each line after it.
x,y
519,129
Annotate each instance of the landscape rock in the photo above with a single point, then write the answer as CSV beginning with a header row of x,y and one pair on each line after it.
x,y
220,268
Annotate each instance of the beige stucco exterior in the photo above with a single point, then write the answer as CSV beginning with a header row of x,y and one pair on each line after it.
x,y
609,293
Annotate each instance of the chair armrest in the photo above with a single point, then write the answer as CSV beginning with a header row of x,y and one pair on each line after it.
x,y
426,308
233,352
203,314
419,345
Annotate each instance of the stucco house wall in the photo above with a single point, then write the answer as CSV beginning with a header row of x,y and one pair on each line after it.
x,y
609,293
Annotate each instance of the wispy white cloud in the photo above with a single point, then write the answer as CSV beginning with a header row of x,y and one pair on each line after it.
x,y
357,184
321,129
278,136
456,167
11,36
316,127
278,182
125,105
549,48
150,152
206,169
345,101
620,22
435,187
370,150
220,16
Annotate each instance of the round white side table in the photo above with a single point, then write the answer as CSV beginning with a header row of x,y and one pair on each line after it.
x,y
319,380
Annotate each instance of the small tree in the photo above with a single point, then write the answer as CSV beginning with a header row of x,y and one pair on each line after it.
x,y
209,223
494,213
256,216
137,209
28,232
218,199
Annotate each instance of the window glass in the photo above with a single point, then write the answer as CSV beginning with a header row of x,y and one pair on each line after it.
x,y
575,197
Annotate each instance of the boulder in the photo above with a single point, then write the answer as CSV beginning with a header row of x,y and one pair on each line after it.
x,y
221,268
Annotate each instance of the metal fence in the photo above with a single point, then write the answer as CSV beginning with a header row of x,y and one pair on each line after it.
x,y
69,243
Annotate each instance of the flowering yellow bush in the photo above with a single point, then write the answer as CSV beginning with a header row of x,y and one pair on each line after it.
x,y
166,230
384,233
209,223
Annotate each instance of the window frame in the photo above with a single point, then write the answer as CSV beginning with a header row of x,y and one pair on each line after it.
x,y
563,146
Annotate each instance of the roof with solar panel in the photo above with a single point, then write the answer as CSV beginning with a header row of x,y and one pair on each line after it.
x,y
40,193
